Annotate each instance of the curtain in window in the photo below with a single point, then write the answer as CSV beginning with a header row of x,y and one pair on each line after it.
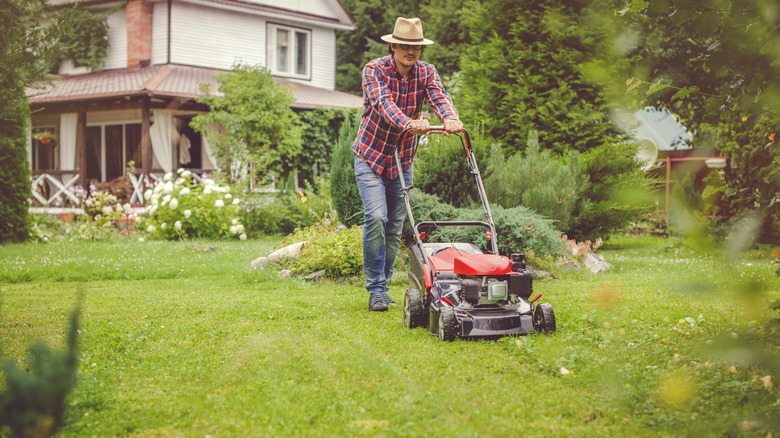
x,y
207,147
68,127
160,134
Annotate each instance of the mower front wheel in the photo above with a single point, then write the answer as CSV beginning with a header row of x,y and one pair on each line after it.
x,y
414,313
447,324
544,318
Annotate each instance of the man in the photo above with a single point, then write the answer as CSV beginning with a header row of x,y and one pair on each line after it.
x,y
394,88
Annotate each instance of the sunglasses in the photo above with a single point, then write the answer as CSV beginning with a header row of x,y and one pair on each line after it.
x,y
405,47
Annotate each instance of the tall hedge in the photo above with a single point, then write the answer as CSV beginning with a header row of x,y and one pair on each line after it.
x,y
15,182
344,191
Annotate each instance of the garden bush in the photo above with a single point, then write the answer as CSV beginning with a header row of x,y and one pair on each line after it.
x,y
440,168
538,179
180,208
519,229
104,216
618,193
343,186
337,252
283,212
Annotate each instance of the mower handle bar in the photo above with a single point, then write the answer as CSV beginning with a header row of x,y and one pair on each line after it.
x,y
480,189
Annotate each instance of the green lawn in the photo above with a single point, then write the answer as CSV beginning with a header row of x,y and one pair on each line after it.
x,y
184,339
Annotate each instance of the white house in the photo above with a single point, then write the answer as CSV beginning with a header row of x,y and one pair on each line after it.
x,y
160,51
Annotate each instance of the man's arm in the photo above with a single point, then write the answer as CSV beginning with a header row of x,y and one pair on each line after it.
x,y
442,104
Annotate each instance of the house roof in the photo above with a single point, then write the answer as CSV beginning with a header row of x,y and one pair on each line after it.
x,y
168,80
340,20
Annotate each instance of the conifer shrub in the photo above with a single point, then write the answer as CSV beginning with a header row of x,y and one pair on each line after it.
x,y
519,229
32,403
618,193
440,168
344,191
539,179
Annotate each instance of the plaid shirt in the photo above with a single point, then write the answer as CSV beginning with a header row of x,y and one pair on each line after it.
x,y
390,104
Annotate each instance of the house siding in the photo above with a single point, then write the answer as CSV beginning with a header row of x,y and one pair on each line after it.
x,y
116,56
215,38
160,33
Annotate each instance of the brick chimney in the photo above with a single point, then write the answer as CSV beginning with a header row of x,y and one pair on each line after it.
x,y
139,33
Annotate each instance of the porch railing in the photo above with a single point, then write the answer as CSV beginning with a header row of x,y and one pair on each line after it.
x,y
58,191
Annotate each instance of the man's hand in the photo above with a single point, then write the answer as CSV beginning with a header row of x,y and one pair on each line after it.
x,y
452,126
420,127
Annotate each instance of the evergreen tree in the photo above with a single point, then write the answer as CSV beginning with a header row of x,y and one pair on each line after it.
x,y
522,71
27,51
344,191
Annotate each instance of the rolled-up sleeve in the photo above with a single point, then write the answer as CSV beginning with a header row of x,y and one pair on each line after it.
x,y
439,99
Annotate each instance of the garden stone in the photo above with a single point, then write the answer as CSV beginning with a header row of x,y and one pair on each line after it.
x,y
317,276
570,265
538,272
285,273
340,227
289,251
595,263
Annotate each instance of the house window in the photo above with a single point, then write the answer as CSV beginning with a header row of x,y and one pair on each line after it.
x,y
45,149
289,51
110,147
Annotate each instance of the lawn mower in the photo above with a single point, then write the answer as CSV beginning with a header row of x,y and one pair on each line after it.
x,y
458,290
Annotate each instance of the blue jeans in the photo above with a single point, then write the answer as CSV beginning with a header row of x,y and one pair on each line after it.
x,y
385,212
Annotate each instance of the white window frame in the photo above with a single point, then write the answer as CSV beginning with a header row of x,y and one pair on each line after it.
x,y
289,70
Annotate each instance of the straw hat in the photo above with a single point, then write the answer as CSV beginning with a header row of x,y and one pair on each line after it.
x,y
407,31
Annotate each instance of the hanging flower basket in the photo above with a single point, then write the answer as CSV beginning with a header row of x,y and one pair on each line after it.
x,y
45,137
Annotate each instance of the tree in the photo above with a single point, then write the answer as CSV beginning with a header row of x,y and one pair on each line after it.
x,y
258,125
28,49
522,72
716,65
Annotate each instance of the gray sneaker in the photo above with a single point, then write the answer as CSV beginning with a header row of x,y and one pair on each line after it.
x,y
377,303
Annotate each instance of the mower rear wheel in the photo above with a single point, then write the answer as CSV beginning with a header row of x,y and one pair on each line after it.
x,y
544,318
414,313
447,324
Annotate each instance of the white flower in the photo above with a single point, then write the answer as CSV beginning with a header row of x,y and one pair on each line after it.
x,y
158,188
236,201
166,199
107,210
127,206
179,170
228,196
177,225
219,203
184,191
240,228
233,229
140,239
234,222
152,210
151,229
186,174
174,203
168,176
137,219
148,194
208,182
207,190
187,213
168,187
242,237
163,226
